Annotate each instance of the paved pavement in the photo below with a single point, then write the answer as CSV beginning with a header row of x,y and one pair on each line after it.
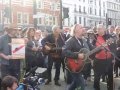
x,y
89,86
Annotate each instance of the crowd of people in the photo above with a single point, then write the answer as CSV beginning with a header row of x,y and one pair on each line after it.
x,y
45,50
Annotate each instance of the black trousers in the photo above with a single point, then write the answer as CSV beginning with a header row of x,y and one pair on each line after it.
x,y
57,63
116,67
12,69
87,70
103,67
30,62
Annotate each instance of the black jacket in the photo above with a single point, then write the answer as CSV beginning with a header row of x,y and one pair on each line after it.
x,y
50,39
72,47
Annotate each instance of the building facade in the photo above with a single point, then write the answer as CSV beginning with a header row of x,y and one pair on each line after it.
x,y
18,13
92,12
113,11
47,13
42,14
86,12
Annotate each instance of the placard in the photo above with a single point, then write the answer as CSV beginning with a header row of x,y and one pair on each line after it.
x,y
18,48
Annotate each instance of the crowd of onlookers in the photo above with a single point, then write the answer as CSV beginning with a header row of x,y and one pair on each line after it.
x,y
35,57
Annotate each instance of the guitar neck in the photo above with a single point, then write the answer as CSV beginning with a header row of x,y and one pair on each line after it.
x,y
94,50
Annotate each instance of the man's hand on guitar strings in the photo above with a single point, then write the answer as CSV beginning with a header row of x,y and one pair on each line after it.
x,y
35,49
81,56
47,47
118,48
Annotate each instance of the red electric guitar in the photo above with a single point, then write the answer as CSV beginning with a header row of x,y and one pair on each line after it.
x,y
76,65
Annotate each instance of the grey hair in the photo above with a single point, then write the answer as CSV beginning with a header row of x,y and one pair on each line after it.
x,y
117,27
38,31
100,26
111,27
55,28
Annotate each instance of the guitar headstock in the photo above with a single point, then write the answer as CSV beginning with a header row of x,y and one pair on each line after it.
x,y
109,41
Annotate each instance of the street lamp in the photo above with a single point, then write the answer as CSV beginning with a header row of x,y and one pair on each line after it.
x,y
100,9
34,12
2,16
61,26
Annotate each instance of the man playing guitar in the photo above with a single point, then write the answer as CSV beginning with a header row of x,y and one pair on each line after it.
x,y
53,44
103,59
73,45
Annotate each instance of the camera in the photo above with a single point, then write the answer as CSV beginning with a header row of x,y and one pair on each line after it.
x,y
33,79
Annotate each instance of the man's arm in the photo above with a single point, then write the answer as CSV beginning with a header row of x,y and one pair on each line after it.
x,y
2,55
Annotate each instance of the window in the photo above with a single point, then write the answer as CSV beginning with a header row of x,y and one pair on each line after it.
x,y
99,2
24,2
103,4
108,5
90,10
80,20
75,8
50,20
84,9
57,6
6,20
84,22
0,16
6,1
75,20
52,6
117,7
53,20
114,6
12,18
39,4
95,2
25,18
95,12
19,18
47,20
39,20
104,13
100,12
80,9
91,1
22,18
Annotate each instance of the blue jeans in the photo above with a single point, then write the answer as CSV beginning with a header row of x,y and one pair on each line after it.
x,y
77,82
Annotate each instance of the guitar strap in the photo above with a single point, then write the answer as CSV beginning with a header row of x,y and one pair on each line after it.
x,y
85,43
79,42
62,38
